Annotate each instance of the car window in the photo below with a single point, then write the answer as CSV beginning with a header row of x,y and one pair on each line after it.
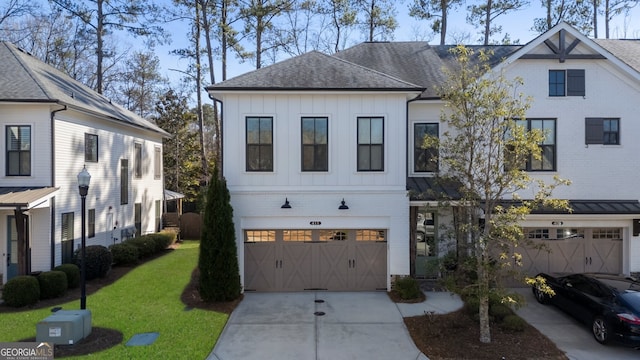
x,y
585,285
633,298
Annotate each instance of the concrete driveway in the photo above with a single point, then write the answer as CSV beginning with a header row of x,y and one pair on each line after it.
x,y
571,336
316,326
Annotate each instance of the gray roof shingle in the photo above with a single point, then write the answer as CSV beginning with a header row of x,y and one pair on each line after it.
x,y
27,79
627,50
316,71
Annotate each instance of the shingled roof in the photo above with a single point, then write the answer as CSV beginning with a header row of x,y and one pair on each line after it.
x,y
415,61
27,79
627,50
316,71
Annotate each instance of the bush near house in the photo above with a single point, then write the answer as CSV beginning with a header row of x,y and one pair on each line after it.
x,y
145,245
53,284
407,288
99,260
73,274
124,253
21,291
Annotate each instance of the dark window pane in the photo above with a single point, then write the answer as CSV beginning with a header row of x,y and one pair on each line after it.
x,y
259,144
575,83
556,82
18,155
314,144
370,144
424,158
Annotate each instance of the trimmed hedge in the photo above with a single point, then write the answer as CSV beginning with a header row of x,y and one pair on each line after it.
x,y
513,323
53,284
99,260
73,274
21,291
124,253
145,245
407,288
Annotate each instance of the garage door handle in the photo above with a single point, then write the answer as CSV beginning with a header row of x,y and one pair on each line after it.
x,y
590,260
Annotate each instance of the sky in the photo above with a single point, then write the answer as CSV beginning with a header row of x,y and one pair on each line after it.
x,y
518,24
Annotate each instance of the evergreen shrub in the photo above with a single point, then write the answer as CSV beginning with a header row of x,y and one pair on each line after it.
x,y
73,274
21,291
53,284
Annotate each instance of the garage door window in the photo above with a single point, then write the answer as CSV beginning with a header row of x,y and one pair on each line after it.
x,y
260,236
333,235
605,233
370,235
296,235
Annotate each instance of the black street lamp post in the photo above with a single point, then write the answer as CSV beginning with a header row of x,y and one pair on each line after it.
x,y
83,187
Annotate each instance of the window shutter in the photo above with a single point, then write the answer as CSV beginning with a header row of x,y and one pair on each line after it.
x,y
594,131
575,83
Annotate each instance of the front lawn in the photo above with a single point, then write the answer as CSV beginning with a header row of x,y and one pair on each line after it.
x,y
147,299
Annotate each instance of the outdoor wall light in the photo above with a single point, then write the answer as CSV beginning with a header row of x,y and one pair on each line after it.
x,y
286,204
343,205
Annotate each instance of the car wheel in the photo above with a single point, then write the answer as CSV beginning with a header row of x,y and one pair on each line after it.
x,y
600,330
541,297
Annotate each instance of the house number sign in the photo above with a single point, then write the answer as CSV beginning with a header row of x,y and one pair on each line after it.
x,y
315,222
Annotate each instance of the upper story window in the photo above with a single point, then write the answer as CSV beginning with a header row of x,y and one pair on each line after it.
x,y
425,158
259,143
157,162
547,162
370,144
566,82
604,131
315,152
124,181
90,147
137,172
18,150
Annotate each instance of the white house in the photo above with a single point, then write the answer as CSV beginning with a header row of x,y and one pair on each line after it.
x,y
52,127
330,186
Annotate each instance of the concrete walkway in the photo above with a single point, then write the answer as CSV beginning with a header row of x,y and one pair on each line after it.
x,y
324,325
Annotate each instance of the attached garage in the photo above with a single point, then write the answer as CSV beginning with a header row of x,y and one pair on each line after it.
x,y
578,250
297,260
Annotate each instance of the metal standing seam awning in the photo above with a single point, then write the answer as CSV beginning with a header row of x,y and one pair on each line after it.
x,y
25,198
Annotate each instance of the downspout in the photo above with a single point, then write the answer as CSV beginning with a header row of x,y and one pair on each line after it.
x,y
52,201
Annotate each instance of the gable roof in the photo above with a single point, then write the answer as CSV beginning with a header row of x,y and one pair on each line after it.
x,y
627,50
316,71
26,79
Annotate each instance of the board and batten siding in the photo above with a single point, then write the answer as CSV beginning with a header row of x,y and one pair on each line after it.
x,y
115,142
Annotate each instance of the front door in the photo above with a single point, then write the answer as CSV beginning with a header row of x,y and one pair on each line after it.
x,y
12,248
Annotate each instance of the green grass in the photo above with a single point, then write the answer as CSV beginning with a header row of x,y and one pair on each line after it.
x,y
147,299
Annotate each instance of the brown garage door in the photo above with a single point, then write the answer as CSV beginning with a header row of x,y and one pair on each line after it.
x,y
296,260
573,251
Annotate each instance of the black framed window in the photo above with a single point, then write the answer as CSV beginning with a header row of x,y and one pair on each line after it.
x,y
259,143
315,139
91,223
18,150
370,144
90,147
547,162
569,82
604,131
137,218
124,181
138,160
425,158
67,237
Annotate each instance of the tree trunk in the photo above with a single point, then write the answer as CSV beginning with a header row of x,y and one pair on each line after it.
x,y
595,18
443,25
487,23
371,22
99,47
606,18
483,292
212,77
203,152
548,15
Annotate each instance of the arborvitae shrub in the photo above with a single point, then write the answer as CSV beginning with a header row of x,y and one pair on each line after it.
x,y
407,288
99,260
73,274
124,253
21,291
218,259
53,284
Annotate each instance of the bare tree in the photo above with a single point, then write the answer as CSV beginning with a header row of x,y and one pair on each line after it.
x,y
140,83
259,22
613,8
11,9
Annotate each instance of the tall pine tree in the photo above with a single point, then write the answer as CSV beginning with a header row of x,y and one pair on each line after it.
x,y
218,261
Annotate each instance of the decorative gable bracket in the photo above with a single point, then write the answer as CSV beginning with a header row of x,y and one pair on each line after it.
x,y
562,51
